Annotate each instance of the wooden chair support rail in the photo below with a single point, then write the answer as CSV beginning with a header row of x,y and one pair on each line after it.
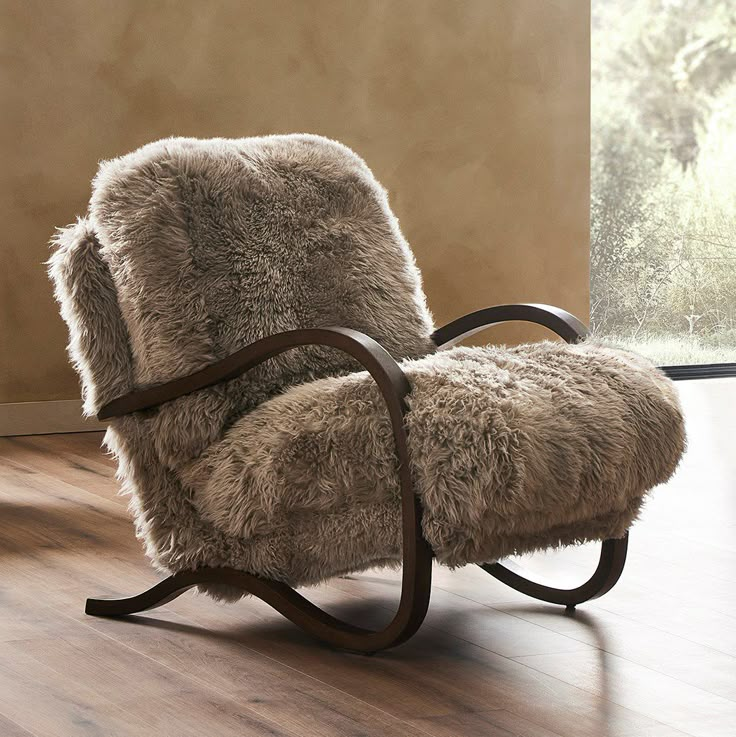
x,y
382,367
610,567
417,555
566,325
613,552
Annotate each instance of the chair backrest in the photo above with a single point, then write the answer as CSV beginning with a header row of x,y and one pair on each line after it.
x,y
192,249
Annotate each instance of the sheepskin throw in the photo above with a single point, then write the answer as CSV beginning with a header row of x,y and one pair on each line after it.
x,y
192,249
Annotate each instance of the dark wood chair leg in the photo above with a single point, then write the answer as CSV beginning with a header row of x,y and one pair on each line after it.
x,y
610,567
613,552
417,555
413,605
409,616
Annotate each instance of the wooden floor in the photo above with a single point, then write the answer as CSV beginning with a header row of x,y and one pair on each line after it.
x,y
655,657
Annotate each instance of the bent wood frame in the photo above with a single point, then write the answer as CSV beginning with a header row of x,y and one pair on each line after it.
x,y
417,555
613,552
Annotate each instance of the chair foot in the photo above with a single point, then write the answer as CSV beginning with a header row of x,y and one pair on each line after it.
x,y
159,595
409,616
610,567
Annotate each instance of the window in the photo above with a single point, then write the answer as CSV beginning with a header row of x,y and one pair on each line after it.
x,y
663,204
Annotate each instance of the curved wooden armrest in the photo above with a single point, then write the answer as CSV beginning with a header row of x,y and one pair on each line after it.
x,y
379,363
394,386
566,325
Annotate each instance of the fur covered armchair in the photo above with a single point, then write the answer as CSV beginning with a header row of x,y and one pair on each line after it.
x,y
250,319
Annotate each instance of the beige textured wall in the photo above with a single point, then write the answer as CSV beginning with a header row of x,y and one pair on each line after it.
x,y
474,114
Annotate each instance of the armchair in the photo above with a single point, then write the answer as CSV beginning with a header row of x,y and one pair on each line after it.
x,y
258,469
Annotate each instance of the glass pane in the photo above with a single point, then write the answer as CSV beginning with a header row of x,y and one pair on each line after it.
x,y
663,201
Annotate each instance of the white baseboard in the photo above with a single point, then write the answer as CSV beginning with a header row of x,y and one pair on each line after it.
x,y
42,418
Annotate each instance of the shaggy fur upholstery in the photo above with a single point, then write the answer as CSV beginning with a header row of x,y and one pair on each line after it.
x,y
192,249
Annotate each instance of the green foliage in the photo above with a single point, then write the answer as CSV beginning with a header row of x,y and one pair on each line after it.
x,y
663,225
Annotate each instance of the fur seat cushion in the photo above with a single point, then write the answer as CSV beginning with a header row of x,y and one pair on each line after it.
x,y
512,450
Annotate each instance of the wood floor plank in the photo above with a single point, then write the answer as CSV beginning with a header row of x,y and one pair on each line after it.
x,y
500,723
643,690
9,728
496,723
33,696
79,469
690,662
158,696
